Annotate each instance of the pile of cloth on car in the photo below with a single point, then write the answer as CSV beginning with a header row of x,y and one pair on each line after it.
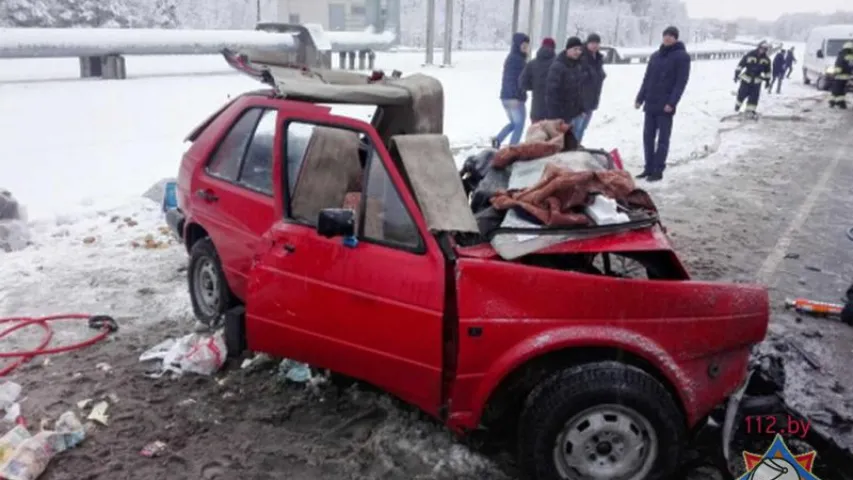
x,y
547,182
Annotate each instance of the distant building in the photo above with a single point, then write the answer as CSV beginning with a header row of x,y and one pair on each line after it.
x,y
342,15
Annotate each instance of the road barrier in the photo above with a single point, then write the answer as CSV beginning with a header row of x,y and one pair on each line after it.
x,y
101,50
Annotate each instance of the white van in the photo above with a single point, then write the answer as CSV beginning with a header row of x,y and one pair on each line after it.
x,y
822,46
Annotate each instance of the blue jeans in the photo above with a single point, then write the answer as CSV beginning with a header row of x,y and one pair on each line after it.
x,y
579,124
515,112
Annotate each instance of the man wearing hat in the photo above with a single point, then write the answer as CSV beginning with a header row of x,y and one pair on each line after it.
x,y
666,78
564,85
752,70
843,73
593,62
534,75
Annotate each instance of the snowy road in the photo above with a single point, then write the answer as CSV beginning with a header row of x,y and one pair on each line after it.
x,y
766,200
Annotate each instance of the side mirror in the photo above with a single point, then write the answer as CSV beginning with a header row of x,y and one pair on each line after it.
x,y
336,222
820,54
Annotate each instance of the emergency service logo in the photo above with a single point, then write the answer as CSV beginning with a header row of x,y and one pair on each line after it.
x,y
778,463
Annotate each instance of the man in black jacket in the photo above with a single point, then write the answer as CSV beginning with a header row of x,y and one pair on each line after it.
x,y
533,78
752,70
593,62
663,85
563,87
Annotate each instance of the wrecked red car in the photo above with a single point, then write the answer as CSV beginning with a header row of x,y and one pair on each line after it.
x,y
354,247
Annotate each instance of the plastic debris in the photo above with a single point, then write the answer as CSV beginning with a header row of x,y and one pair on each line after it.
x,y
294,371
9,393
106,367
153,449
256,362
83,404
99,413
11,441
33,453
199,353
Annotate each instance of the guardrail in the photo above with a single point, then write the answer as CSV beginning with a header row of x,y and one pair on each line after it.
x,y
101,50
700,51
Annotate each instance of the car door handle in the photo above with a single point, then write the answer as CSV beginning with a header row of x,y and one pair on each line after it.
x,y
207,195
290,248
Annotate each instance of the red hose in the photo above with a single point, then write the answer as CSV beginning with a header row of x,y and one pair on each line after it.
x,y
104,324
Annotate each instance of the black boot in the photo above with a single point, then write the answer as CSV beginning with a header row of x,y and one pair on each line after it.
x,y
654,177
494,142
643,175
842,105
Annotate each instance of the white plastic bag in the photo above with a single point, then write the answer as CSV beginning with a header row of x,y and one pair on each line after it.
x,y
31,456
203,354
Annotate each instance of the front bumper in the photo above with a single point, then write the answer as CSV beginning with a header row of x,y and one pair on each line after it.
x,y
176,220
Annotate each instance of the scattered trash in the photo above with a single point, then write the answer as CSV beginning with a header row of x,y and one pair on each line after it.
x,y
104,366
11,441
199,353
807,356
256,362
32,453
113,398
9,393
294,371
186,403
822,309
153,449
813,268
792,256
99,413
83,404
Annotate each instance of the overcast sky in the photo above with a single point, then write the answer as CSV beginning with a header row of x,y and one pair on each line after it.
x,y
761,9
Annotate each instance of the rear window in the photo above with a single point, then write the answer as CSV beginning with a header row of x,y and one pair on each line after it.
x,y
197,131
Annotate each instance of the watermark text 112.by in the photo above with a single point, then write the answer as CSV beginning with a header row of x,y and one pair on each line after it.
x,y
784,425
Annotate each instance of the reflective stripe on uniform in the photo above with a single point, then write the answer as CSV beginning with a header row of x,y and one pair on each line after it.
x,y
746,78
750,107
836,98
842,76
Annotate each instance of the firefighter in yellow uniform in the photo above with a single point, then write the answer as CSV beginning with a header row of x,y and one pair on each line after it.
x,y
752,70
843,73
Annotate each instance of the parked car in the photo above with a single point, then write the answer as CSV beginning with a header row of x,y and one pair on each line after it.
x,y
343,240
822,46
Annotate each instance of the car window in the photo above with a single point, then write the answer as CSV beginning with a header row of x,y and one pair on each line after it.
x,y
386,219
256,172
226,159
324,170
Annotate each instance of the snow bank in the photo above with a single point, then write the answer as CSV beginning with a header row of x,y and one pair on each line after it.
x,y
81,42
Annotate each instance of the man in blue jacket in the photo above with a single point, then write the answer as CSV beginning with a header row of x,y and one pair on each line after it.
x,y
593,60
533,78
666,78
513,96
779,70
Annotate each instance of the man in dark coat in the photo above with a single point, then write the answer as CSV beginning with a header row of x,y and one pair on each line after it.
x,y
593,62
752,70
533,78
563,87
663,85
779,69
843,74
789,62
513,96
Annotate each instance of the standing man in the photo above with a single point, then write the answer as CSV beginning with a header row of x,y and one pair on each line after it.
x,y
666,78
593,62
563,87
513,96
789,62
751,71
533,78
779,70
843,72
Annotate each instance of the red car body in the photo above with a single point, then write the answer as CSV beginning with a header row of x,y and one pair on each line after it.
x,y
454,329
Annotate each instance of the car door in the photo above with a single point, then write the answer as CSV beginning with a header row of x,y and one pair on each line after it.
x,y
371,309
234,194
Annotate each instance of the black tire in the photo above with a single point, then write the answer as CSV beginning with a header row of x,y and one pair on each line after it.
x,y
806,80
823,83
203,256
600,388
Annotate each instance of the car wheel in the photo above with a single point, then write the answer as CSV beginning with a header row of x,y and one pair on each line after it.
x,y
600,421
209,290
806,80
822,83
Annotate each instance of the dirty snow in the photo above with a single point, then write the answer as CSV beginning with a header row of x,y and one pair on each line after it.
x,y
79,155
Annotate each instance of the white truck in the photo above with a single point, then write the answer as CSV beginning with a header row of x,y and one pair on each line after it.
x,y
822,46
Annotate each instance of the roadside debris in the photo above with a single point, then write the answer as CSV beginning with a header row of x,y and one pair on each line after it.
x,y
9,393
153,449
256,362
99,413
815,308
199,353
294,371
30,454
